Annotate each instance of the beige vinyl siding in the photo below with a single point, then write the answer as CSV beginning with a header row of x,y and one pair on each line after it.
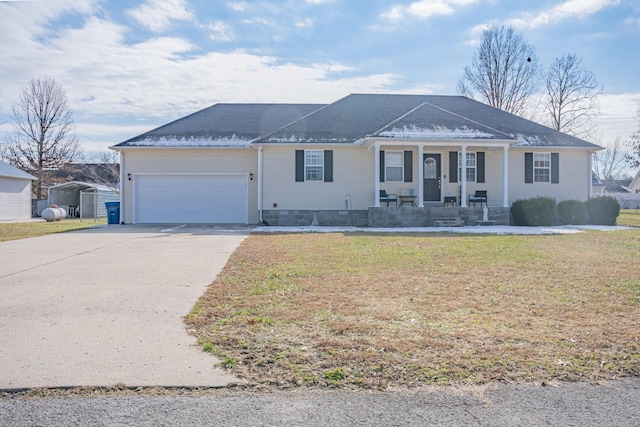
x,y
574,175
15,199
400,187
353,174
194,160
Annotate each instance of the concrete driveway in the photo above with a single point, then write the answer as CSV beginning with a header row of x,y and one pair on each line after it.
x,y
104,306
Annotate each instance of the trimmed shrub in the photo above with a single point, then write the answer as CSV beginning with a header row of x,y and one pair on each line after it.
x,y
603,210
572,212
517,213
534,212
540,211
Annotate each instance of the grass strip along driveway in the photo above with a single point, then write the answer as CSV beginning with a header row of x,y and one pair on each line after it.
x,y
374,311
23,230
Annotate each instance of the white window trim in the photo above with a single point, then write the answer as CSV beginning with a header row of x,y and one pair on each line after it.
x,y
474,167
306,165
547,168
386,166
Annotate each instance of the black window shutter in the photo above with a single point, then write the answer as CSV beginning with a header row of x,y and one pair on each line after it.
x,y
328,165
299,165
408,166
480,166
528,168
453,166
555,168
381,166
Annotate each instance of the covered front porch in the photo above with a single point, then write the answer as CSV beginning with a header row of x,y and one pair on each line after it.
x,y
424,173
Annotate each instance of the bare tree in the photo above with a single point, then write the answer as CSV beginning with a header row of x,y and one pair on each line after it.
x,y
633,144
504,72
43,138
609,164
103,168
572,101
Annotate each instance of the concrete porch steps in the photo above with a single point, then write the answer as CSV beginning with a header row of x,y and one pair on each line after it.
x,y
449,222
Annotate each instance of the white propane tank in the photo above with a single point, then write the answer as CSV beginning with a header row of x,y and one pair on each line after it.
x,y
51,214
54,213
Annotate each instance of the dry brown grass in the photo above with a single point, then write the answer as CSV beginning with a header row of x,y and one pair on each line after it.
x,y
24,230
397,310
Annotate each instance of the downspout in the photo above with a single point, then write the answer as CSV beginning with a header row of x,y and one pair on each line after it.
x,y
260,182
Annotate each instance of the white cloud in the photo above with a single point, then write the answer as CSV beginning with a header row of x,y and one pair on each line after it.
x,y
569,9
238,6
618,116
424,9
633,22
305,23
220,31
158,15
142,85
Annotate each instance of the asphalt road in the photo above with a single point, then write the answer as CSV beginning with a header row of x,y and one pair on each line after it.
x,y
568,404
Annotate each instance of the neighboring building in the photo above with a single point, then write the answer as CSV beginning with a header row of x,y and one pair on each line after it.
x,y
635,183
15,193
82,199
326,164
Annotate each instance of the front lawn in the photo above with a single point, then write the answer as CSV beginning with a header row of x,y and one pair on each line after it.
x,y
629,218
373,311
23,230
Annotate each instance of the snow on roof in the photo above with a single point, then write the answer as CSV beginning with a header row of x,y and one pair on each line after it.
x,y
232,142
437,132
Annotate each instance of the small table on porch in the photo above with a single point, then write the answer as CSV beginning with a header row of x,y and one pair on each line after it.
x,y
408,199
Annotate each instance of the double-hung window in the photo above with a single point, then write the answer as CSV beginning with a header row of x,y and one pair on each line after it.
x,y
314,165
541,167
394,165
471,166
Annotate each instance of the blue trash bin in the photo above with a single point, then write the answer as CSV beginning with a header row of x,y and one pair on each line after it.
x,y
113,212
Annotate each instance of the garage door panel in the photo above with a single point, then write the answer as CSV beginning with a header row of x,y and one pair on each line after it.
x,y
191,199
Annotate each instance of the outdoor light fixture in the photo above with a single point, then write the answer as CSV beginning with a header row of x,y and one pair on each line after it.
x,y
251,176
129,176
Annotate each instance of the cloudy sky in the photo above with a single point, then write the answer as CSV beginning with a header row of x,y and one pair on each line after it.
x,y
131,65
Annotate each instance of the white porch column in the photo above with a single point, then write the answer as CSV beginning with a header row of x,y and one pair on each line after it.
x,y
260,182
376,174
463,178
420,177
505,176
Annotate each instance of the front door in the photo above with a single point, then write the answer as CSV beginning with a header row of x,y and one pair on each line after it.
x,y
431,168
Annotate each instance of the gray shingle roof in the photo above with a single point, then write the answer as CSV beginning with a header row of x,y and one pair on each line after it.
x,y
223,125
10,171
417,116
352,119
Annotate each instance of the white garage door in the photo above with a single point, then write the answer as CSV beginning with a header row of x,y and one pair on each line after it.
x,y
184,198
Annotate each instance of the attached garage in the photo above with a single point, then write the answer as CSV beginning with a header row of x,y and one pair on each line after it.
x,y
191,198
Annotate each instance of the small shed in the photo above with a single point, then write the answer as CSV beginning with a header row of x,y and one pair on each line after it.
x,y
15,193
82,199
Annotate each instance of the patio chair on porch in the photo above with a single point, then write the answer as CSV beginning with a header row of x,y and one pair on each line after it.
x,y
479,197
384,197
